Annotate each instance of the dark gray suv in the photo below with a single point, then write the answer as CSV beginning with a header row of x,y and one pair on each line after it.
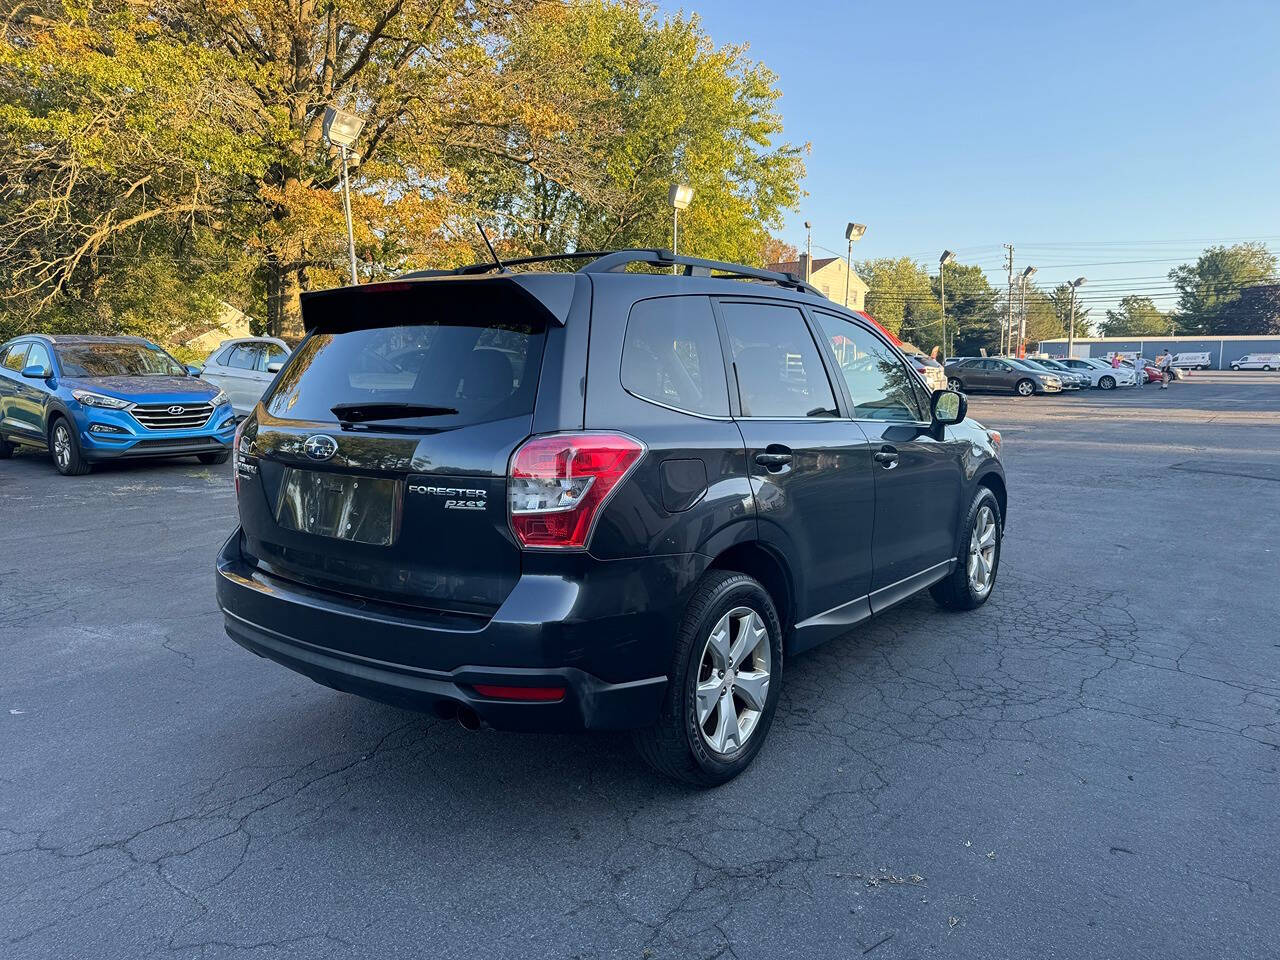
x,y
606,499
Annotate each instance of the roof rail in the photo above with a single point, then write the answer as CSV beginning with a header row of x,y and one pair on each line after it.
x,y
613,261
693,267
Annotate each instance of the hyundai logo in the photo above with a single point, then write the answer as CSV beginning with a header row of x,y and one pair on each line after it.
x,y
320,447
177,411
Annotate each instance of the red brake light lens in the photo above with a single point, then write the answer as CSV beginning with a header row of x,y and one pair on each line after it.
x,y
558,483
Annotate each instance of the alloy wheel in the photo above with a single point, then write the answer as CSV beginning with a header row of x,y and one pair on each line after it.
x,y
1026,388
953,384
62,446
733,680
982,551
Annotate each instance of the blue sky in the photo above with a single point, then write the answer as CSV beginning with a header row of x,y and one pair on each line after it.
x,y
1086,134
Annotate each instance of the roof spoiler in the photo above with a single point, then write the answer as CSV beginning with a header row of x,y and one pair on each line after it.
x,y
387,304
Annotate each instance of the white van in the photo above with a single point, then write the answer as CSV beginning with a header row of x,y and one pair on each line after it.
x,y
1257,361
1194,361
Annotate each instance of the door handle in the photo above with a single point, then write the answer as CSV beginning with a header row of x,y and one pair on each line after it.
x,y
886,456
775,457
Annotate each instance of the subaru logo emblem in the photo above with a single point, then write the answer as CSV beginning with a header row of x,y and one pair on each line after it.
x,y
320,447
177,411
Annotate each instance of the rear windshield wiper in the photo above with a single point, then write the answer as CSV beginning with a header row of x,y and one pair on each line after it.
x,y
363,412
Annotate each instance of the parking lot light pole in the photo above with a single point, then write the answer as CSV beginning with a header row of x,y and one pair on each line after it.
x,y
853,233
679,196
1071,329
342,129
1022,326
947,257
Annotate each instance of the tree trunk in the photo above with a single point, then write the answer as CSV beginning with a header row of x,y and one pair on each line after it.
x,y
284,284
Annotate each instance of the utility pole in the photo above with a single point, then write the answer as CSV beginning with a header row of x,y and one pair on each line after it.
x,y
1008,330
808,250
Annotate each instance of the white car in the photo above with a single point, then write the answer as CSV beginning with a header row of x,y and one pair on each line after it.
x,y
1257,361
244,369
930,370
1100,373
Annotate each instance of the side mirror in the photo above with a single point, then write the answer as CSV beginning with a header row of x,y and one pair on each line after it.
x,y
194,371
274,367
948,407
37,371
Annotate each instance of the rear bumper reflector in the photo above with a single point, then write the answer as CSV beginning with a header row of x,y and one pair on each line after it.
x,y
519,693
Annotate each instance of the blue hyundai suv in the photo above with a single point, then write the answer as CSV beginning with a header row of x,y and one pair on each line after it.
x,y
87,399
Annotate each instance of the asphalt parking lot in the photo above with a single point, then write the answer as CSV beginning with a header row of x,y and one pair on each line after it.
x,y
1085,767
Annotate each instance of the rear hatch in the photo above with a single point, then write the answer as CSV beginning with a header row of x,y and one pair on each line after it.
x,y
376,464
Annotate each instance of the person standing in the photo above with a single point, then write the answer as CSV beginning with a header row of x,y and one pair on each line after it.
x,y
1115,361
1165,364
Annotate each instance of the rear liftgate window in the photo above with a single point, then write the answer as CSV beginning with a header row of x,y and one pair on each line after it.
x,y
459,369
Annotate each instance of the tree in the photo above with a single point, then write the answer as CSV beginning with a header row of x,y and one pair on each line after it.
x,y
778,251
1255,311
177,146
1135,317
972,322
900,297
652,101
1208,289
1061,298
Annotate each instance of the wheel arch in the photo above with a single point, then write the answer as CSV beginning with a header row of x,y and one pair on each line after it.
x,y
756,560
995,483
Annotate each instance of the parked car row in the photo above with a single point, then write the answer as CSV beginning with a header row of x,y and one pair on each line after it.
x,y
88,399
1032,375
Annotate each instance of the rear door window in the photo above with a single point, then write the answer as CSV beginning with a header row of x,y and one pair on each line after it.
x,y
671,355
778,369
463,369
243,357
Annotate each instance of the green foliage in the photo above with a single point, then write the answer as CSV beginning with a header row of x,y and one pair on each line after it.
x,y
1209,290
1135,316
900,297
972,320
158,156
1061,298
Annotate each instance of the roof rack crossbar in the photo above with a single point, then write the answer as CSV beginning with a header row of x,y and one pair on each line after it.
x,y
693,267
613,261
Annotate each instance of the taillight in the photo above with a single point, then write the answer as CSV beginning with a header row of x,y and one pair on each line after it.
x,y
558,483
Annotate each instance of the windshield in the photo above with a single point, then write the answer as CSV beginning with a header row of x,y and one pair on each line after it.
x,y
116,360
446,374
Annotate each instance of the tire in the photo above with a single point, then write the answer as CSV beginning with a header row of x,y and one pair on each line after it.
x,y
1266,367
1024,388
65,449
679,745
212,458
1234,367
958,590
1107,383
6,449
953,383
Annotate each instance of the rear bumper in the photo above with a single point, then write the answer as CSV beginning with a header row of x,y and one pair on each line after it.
x,y
396,657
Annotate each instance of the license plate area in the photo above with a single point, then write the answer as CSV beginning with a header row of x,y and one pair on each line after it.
x,y
340,506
